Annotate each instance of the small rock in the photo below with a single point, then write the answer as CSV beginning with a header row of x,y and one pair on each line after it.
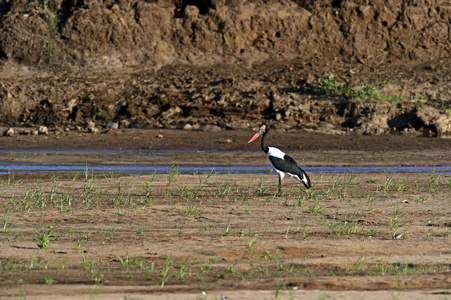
x,y
275,97
112,125
237,125
222,102
191,12
9,132
159,136
66,129
288,113
93,130
34,132
78,128
433,117
407,130
378,131
171,113
188,127
43,130
228,141
125,124
310,78
326,125
278,117
25,131
90,124
211,128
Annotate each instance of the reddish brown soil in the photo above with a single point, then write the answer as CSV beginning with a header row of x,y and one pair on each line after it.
x,y
343,220
230,243
225,64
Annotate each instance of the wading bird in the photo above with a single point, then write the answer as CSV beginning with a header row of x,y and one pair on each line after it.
x,y
280,162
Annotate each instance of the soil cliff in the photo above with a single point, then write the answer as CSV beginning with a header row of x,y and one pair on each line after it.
x,y
217,64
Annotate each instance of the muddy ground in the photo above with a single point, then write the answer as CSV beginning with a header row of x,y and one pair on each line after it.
x,y
124,236
308,148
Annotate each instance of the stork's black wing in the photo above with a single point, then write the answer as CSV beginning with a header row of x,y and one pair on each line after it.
x,y
287,164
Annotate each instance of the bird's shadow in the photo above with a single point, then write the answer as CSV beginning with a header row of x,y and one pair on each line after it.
x,y
257,194
263,194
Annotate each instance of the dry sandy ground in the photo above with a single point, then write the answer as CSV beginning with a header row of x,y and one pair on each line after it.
x,y
176,236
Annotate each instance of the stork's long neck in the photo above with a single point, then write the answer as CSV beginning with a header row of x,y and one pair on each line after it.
x,y
263,144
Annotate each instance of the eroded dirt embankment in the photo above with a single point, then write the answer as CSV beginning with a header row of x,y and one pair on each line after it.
x,y
213,65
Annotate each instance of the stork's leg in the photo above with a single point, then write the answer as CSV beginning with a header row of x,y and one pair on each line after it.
x,y
280,186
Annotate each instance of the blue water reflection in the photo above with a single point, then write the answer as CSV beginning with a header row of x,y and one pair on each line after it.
x,y
12,167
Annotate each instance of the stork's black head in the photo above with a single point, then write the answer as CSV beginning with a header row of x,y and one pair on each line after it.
x,y
263,129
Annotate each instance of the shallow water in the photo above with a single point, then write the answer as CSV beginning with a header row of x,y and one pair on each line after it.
x,y
140,169
13,167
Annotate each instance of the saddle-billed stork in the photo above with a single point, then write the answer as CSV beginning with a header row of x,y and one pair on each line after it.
x,y
280,162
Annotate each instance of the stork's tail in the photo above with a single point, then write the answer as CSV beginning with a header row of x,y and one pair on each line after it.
x,y
305,179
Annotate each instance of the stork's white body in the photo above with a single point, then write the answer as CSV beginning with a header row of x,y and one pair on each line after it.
x,y
280,154
276,153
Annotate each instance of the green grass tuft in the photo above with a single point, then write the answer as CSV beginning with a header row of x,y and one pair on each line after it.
x,y
365,93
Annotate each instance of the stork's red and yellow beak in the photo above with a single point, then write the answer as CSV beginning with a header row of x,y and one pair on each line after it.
x,y
259,132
